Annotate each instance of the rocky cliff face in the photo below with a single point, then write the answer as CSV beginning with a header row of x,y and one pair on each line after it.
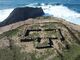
x,y
21,14
43,38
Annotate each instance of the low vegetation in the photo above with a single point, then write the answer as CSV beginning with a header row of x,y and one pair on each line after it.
x,y
9,33
57,52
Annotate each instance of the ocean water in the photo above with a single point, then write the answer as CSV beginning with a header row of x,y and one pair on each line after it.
x,y
66,9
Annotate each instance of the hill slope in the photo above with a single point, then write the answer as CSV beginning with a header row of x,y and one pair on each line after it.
x,y
43,38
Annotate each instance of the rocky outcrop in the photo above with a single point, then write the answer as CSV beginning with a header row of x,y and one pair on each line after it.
x,y
22,13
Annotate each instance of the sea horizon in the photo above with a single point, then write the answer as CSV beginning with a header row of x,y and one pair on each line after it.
x,y
70,7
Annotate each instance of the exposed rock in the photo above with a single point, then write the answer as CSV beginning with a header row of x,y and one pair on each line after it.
x,y
4,42
21,14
